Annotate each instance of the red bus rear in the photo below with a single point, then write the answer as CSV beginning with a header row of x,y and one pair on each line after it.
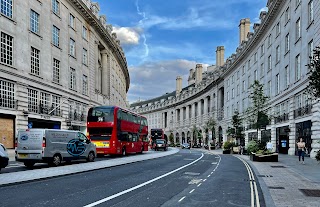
x,y
117,131
156,134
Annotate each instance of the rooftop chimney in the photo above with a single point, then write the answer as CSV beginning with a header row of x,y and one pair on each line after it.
x,y
178,85
220,56
198,73
244,28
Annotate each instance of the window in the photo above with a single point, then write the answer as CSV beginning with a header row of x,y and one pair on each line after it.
x,y
228,82
277,84
243,105
238,90
232,79
6,8
56,70
232,93
298,29
262,69
287,15
287,43
238,74
55,7
310,11
249,81
84,85
298,101
7,94
6,49
269,40
44,101
244,86
298,3
34,22
72,21
310,50
255,75
269,63
278,28
262,49
72,48
298,68
255,57
228,96
278,54
269,88
35,61
73,79
243,70
249,63
84,57
55,105
286,76
32,100
55,36
84,33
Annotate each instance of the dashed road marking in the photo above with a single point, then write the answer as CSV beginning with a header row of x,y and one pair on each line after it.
x,y
181,199
208,175
191,190
204,180
199,184
214,163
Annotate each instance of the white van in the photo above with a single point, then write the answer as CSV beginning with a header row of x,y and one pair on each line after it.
x,y
52,146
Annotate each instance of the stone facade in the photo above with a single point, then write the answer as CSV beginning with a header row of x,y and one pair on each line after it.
x,y
60,58
275,54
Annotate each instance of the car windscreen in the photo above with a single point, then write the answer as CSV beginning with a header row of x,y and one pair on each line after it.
x,y
160,141
101,114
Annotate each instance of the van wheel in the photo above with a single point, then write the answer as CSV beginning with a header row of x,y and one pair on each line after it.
x,y
91,157
124,153
56,161
29,164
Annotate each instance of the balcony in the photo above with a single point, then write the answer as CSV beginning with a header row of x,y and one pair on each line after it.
x,y
282,118
75,116
302,111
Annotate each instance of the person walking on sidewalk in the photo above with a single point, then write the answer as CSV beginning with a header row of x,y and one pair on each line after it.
x,y
301,149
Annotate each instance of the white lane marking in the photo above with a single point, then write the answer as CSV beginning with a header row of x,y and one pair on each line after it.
x,y
141,185
204,180
208,176
253,184
199,184
188,159
191,190
181,199
211,173
214,163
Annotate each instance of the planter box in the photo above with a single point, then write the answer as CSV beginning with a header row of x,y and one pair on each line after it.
x,y
226,151
264,158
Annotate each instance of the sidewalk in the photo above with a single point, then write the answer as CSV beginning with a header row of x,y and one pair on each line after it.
x,y
281,182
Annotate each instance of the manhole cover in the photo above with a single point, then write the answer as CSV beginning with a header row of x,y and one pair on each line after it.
x,y
278,166
310,192
265,176
191,173
275,187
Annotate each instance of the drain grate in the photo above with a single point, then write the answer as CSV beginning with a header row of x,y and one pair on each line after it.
x,y
275,187
278,166
310,192
268,176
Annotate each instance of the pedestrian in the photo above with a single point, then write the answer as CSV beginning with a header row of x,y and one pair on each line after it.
x,y
301,149
241,149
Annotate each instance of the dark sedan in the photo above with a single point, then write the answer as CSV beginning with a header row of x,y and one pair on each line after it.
x,y
160,144
185,146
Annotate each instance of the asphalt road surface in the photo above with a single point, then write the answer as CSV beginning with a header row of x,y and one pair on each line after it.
x,y
188,178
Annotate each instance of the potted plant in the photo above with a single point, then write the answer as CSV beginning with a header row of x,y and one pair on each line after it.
x,y
227,147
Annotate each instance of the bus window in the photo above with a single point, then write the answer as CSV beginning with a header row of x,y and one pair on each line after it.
x,y
100,114
119,114
129,138
131,119
125,116
134,137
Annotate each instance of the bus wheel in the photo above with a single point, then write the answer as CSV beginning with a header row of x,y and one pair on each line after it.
x,y
91,157
29,164
56,161
124,153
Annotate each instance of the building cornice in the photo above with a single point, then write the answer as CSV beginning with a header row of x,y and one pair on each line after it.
x,y
95,23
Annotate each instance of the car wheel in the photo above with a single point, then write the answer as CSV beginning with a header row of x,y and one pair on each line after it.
x,y
124,153
90,157
29,164
56,161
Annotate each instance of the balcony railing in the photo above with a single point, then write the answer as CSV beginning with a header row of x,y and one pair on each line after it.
x,y
281,118
74,116
302,111
220,114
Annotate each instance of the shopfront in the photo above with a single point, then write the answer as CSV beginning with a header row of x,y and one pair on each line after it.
x,y
303,129
282,139
7,130
43,124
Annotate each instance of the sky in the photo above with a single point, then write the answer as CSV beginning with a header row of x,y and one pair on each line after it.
x,y
163,39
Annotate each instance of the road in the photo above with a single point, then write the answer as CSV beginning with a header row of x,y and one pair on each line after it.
x,y
188,178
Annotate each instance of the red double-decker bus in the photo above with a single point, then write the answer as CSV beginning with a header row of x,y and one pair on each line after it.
x,y
115,130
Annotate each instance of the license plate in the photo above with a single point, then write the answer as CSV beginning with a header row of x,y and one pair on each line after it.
x,y
22,155
101,144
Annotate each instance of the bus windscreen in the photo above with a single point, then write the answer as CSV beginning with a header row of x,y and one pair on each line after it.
x,y
100,114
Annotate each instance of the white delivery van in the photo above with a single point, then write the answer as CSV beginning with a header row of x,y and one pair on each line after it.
x,y
52,146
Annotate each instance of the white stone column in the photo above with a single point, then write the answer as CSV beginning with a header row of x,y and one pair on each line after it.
x,y
206,107
105,74
187,115
97,69
193,112
292,127
315,129
181,118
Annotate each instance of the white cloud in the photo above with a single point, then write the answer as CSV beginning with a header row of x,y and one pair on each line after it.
x,y
153,79
127,35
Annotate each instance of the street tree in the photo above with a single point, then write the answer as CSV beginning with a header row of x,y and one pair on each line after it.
x,y
237,126
314,73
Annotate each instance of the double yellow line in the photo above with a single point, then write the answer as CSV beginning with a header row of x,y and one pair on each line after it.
x,y
253,185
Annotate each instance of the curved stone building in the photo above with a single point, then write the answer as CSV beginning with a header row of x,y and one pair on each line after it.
x,y
58,58
275,53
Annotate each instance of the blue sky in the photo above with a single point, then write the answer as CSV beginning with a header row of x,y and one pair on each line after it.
x,y
164,40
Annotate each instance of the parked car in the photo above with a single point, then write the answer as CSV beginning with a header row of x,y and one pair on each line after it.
x,y
196,145
160,144
4,158
185,146
53,146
